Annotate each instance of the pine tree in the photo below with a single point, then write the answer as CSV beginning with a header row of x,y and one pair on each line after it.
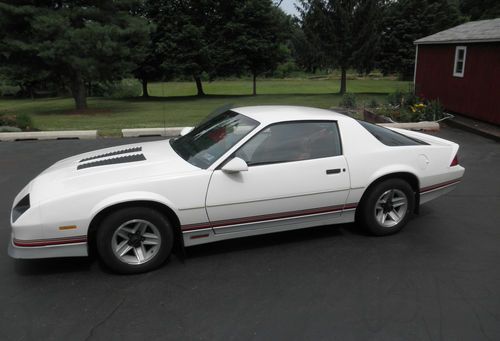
x,y
406,21
76,41
347,31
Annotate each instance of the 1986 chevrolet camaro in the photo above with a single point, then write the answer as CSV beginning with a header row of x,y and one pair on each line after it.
x,y
244,172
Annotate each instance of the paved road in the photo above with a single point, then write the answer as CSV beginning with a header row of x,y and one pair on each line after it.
x,y
438,279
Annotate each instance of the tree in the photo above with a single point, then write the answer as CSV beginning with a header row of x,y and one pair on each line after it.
x,y
480,10
148,60
406,21
347,31
254,38
306,49
186,30
78,41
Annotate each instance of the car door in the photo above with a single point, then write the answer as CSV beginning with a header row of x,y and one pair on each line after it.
x,y
296,175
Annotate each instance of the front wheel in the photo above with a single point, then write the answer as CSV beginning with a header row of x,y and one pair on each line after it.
x,y
134,240
387,207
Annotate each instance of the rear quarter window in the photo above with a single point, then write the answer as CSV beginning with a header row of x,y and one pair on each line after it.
x,y
390,137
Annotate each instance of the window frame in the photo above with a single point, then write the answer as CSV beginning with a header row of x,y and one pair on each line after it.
x,y
367,126
335,122
456,61
205,121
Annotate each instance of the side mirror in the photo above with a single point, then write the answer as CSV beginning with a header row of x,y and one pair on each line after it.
x,y
185,131
235,165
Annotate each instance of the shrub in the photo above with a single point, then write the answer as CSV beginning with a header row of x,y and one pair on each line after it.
x,y
396,98
373,103
285,69
8,129
21,121
125,88
8,90
7,120
433,111
402,99
348,100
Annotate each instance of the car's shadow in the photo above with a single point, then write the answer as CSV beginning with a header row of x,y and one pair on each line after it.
x,y
274,239
48,266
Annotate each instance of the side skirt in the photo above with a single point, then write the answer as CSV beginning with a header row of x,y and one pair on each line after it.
x,y
207,235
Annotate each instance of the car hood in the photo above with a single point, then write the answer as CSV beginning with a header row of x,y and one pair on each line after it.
x,y
108,167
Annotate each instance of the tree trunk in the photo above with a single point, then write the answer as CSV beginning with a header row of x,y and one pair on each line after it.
x,y
145,92
343,80
79,91
31,91
199,86
254,92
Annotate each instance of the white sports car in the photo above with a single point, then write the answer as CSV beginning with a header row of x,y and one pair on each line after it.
x,y
244,172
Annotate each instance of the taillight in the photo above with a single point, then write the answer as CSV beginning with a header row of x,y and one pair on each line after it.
x,y
455,161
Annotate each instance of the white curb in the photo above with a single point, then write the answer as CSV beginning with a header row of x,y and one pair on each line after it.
x,y
140,132
424,125
49,135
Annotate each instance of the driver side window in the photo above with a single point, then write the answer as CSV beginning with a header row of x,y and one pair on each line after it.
x,y
292,141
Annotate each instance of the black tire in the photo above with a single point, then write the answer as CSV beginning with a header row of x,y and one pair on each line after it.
x,y
120,219
370,215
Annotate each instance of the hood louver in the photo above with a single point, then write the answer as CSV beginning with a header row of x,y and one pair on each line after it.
x,y
108,159
118,152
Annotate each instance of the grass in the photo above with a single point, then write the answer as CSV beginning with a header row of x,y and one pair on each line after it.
x,y
174,103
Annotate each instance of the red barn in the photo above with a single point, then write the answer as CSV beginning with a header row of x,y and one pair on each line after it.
x,y
461,68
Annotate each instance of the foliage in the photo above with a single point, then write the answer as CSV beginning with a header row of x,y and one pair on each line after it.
x,y
21,121
405,21
401,98
305,49
8,90
151,64
254,38
126,88
346,31
480,10
285,69
186,31
181,108
373,103
71,42
433,111
348,100
219,38
9,129
407,107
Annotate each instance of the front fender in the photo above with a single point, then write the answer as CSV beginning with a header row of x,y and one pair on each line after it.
x,y
129,197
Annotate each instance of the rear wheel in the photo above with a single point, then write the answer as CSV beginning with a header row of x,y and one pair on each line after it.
x,y
134,240
387,207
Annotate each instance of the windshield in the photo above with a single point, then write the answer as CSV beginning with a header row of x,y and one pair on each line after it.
x,y
213,138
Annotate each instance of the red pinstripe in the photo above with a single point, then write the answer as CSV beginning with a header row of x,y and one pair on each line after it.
x,y
52,241
264,217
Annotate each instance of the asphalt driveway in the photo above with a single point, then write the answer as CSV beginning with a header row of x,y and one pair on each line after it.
x,y
437,279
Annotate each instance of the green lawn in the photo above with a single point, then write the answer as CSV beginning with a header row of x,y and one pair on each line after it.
x,y
174,103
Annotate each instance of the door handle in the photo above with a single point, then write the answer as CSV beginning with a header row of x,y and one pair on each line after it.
x,y
333,171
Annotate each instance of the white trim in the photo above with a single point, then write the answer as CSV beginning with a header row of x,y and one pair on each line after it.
x,y
456,60
465,41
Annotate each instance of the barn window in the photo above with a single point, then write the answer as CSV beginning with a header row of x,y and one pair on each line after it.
x,y
459,66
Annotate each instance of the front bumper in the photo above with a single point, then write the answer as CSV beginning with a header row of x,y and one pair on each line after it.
x,y
78,249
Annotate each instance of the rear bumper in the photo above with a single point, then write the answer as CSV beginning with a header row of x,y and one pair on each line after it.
x,y
48,251
432,192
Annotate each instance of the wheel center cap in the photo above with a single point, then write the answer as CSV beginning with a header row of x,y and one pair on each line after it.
x,y
135,240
